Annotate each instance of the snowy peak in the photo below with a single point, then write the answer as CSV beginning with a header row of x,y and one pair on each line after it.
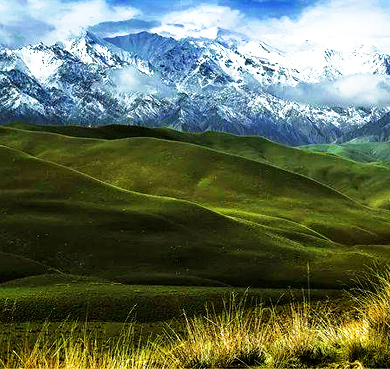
x,y
240,58
43,61
145,45
317,65
90,49
192,84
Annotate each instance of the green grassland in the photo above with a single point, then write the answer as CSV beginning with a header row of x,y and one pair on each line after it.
x,y
121,223
72,222
61,297
146,206
364,152
358,170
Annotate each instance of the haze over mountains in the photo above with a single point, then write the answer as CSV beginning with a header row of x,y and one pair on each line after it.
x,y
229,84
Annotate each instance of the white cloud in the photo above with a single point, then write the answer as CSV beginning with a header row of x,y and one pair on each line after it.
x,y
333,23
337,24
54,20
130,79
365,90
201,21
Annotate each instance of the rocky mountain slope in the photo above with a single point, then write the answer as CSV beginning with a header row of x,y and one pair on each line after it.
x,y
193,85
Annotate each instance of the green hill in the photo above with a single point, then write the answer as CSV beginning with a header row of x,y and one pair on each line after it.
x,y
163,211
357,170
194,173
364,152
372,159
74,223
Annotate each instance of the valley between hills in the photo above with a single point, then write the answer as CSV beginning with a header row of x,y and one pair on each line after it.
x,y
145,206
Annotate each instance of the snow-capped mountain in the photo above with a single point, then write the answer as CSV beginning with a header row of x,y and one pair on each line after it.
x,y
226,84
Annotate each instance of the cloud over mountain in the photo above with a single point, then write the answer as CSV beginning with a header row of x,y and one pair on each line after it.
x,y
31,21
112,29
333,22
200,21
363,90
130,79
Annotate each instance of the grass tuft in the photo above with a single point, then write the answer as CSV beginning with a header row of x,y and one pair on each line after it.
x,y
236,337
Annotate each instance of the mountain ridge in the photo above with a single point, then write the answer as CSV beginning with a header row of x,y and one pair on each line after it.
x,y
189,85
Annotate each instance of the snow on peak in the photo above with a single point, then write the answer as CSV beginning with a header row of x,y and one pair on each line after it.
x,y
225,82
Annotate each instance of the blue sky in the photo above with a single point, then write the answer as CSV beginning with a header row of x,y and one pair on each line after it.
x,y
284,23
254,8
154,10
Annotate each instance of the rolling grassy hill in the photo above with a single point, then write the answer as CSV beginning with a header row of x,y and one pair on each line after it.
x,y
194,173
359,171
364,152
132,205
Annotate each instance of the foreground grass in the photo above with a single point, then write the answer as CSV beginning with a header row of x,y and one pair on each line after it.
x,y
298,335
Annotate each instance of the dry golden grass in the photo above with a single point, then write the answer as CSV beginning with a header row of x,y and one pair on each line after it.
x,y
302,335
74,352
236,337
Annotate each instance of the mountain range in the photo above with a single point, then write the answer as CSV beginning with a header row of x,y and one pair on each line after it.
x,y
225,84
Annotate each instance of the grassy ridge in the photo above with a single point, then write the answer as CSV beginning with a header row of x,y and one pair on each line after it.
x,y
366,178
260,226
70,221
151,166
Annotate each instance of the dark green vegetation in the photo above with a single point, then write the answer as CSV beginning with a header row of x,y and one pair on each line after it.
x,y
60,297
155,206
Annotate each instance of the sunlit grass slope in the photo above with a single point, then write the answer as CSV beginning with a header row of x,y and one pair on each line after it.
x,y
367,182
365,177
242,222
372,159
247,189
75,223
364,152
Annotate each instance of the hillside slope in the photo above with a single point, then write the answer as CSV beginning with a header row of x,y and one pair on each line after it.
x,y
72,222
365,177
68,203
363,152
